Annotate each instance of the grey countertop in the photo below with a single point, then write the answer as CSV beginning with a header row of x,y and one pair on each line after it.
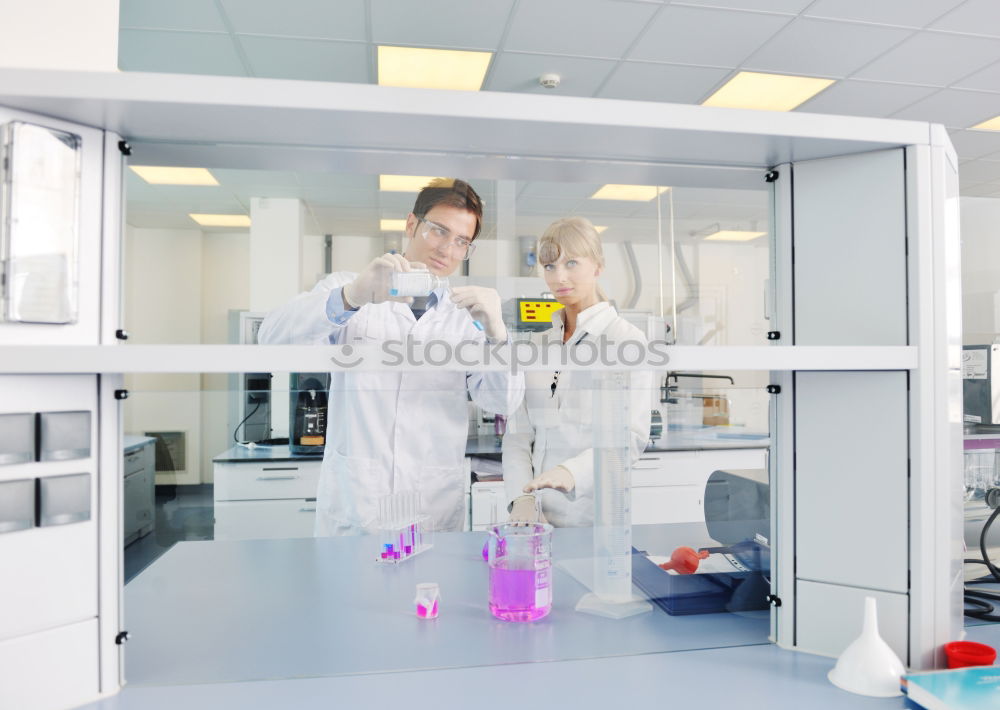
x,y
131,442
246,605
214,611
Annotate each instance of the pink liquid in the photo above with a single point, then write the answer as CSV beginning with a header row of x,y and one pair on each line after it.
x,y
424,613
520,594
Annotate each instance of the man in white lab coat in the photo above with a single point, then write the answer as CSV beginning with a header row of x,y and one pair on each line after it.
x,y
396,431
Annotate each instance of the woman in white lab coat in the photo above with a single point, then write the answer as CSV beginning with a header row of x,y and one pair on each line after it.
x,y
548,453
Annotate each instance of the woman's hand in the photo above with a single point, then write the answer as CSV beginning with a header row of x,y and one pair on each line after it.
x,y
558,478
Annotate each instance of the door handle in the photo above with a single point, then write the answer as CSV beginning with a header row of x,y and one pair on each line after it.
x,y
277,478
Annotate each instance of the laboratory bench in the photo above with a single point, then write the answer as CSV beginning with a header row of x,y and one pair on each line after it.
x,y
309,622
269,492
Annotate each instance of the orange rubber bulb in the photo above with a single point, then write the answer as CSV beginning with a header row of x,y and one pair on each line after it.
x,y
684,560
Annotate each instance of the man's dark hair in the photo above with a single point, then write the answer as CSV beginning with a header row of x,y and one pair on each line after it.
x,y
450,192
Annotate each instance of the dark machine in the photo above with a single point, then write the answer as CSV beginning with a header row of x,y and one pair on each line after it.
x,y
307,409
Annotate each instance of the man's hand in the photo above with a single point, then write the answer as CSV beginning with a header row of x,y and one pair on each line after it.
x,y
483,305
558,478
373,283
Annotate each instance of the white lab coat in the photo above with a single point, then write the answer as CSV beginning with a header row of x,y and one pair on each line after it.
x,y
551,430
391,431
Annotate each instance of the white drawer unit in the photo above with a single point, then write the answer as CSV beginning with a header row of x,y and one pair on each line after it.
x,y
139,488
488,503
264,519
257,500
669,486
266,481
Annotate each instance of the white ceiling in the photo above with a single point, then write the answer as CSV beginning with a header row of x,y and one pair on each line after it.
x,y
932,60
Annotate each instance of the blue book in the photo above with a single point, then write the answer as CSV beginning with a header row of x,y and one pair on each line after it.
x,y
975,688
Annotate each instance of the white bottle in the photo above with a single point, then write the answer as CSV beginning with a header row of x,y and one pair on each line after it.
x,y
417,284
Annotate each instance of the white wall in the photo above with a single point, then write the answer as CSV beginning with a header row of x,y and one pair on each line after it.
x,y
163,296
225,287
180,286
59,34
980,269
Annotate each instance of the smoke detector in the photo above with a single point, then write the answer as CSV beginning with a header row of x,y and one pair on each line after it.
x,y
549,81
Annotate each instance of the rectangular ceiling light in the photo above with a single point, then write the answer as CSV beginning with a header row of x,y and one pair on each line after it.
x,y
221,220
599,228
733,235
156,175
766,92
992,124
392,225
402,183
432,68
632,193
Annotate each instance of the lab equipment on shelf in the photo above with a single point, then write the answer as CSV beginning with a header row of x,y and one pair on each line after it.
x,y
402,530
416,284
520,560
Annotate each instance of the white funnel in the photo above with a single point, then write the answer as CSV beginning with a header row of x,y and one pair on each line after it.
x,y
868,666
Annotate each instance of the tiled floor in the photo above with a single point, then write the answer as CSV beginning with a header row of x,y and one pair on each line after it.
x,y
182,513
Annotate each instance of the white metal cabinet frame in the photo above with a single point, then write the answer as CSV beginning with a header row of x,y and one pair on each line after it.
x,y
258,123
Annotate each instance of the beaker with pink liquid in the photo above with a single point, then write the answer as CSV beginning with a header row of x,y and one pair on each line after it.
x,y
520,560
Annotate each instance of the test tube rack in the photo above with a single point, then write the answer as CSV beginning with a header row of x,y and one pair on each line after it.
x,y
403,531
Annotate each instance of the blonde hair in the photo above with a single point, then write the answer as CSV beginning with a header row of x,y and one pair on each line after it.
x,y
572,236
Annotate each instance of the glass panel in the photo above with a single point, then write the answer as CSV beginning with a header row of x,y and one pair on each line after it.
x,y
641,475
667,258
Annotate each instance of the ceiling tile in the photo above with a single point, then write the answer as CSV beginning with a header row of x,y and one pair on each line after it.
x,y
316,60
337,181
985,189
520,72
975,144
145,219
469,25
597,209
590,28
178,52
817,47
979,17
396,203
341,198
173,15
976,171
662,82
318,19
851,97
987,79
954,108
238,179
176,194
690,35
564,190
275,192
787,6
903,13
933,58
546,206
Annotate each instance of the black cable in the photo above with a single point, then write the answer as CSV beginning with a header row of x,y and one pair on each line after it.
x,y
980,599
236,430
